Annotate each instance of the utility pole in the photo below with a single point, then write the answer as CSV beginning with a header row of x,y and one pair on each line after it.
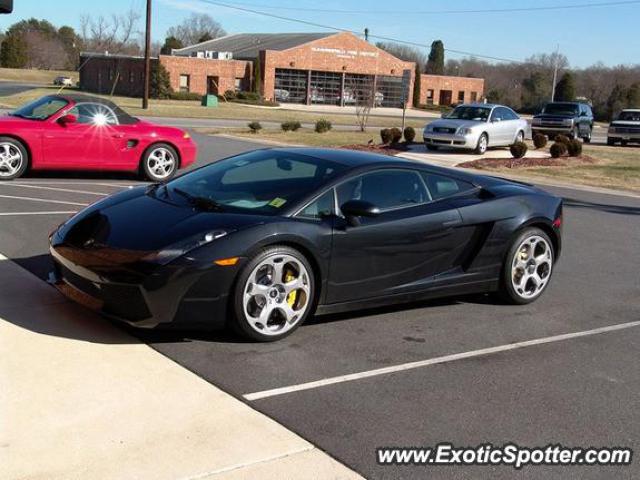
x,y
147,58
555,73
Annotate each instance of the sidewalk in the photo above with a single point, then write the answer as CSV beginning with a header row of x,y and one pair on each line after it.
x,y
80,399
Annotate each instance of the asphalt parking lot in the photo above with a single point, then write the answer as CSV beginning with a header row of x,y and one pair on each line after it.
x,y
576,391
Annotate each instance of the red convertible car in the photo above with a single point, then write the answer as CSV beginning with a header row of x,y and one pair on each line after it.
x,y
81,132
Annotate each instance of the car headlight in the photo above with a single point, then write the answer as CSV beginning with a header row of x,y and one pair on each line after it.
x,y
462,131
182,247
428,128
567,121
186,135
536,121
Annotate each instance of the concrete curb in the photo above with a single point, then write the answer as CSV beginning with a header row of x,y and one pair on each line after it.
x,y
82,399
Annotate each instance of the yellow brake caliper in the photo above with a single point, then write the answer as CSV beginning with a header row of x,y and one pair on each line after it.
x,y
291,298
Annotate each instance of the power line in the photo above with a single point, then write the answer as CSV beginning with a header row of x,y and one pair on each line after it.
x,y
446,12
379,37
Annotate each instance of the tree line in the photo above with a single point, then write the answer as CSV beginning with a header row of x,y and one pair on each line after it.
x,y
527,86
39,44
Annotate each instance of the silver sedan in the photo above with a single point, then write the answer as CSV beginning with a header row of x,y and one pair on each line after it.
x,y
476,127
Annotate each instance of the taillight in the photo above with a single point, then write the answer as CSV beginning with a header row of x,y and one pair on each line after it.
x,y
557,223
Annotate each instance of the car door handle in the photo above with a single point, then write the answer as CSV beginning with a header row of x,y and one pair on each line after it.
x,y
452,223
118,135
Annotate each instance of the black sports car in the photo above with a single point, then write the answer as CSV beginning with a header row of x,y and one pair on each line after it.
x,y
264,239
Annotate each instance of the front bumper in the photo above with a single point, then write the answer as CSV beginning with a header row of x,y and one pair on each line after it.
x,y
183,293
448,140
625,134
188,152
555,130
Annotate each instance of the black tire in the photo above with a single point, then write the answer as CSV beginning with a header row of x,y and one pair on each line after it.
x,y
146,164
432,148
20,165
624,143
507,291
481,148
587,139
611,142
240,321
575,133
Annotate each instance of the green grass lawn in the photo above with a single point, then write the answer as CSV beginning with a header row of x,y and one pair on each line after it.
x,y
615,167
34,76
231,111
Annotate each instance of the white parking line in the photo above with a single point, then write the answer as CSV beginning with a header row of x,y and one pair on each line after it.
x,y
30,199
433,361
55,189
16,214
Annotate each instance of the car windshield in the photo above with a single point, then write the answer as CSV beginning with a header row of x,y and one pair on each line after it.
x,y
40,109
561,109
262,182
630,116
479,114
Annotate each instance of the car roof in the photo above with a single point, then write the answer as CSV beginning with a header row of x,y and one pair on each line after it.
x,y
123,117
358,160
347,157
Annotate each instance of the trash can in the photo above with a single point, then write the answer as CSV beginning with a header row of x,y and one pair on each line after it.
x,y
209,101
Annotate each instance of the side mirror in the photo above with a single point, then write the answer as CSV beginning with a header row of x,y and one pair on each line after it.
x,y
496,120
358,208
67,119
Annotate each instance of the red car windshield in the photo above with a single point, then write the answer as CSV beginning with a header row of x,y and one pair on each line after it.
x,y
40,109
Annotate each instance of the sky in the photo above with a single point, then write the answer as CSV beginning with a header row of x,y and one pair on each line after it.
x,y
607,34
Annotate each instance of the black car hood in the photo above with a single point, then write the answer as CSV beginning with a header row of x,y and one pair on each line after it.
x,y
140,221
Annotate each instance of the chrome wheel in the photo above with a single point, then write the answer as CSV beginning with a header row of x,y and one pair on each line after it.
x,y
531,267
276,295
482,144
161,163
11,159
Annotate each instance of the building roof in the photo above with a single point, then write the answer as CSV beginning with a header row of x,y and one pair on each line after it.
x,y
248,45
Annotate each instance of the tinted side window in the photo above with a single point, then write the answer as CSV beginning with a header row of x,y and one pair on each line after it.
x,y
511,115
385,189
322,207
441,187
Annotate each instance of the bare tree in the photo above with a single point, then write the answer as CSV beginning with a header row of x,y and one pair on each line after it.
x,y
45,51
198,27
119,34
360,93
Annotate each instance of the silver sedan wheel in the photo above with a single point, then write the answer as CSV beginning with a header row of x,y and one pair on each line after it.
x,y
161,162
531,267
277,294
10,159
482,144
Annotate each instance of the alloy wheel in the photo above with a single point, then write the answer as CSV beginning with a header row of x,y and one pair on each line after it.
x,y
10,159
482,144
276,295
161,162
531,267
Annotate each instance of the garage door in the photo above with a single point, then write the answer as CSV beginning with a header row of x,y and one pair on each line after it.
x,y
290,86
390,89
326,88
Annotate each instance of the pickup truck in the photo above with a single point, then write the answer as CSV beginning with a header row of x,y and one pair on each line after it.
x,y
573,119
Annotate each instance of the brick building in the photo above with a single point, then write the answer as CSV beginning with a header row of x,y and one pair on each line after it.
x,y
307,68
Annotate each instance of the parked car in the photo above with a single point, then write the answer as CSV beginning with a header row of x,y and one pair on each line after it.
x,y
263,240
625,128
573,119
476,127
63,81
81,132
281,95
